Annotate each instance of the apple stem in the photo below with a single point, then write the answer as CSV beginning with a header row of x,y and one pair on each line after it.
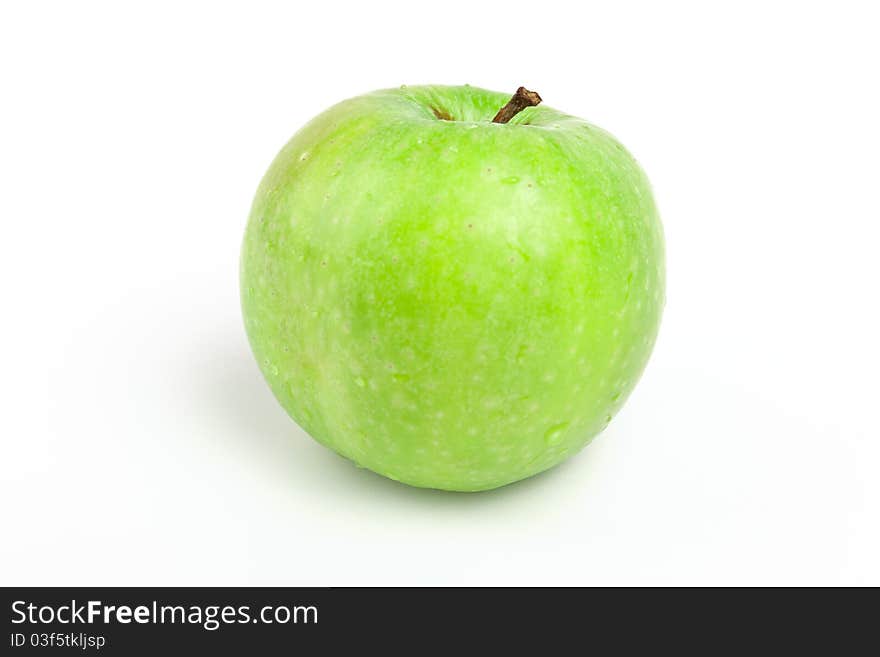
x,y
521,99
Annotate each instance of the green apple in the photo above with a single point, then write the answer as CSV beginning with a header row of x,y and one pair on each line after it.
x,y
449,300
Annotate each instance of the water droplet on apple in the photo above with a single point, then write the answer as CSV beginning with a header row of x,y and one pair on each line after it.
x,y
510,180
554,435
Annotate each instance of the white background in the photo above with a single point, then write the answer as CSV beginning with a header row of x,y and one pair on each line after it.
x,y
140,444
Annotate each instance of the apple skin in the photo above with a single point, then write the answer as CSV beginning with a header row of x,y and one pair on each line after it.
x,y
454,304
